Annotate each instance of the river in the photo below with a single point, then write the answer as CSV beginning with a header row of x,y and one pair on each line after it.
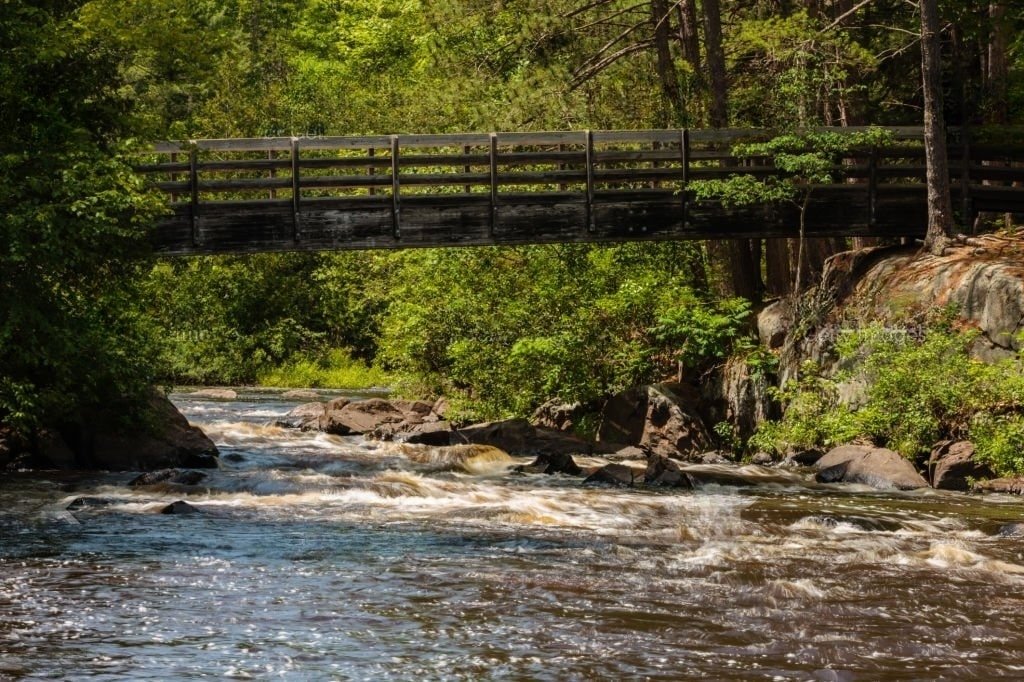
x,y
324,557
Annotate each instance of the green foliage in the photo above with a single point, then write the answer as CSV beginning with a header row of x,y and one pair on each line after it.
x,y
334,369
704,330
918,391
72,218
509,328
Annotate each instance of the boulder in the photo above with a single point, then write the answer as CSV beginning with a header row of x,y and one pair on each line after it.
x,y
740,394
1007,486
762,459
179,507
306,416
555,463
618,475
169,442
214,394
361,416
88,502
774,322
664,472
1011,530
514,436
167,476
427,433
559,415
868,465
655,418
952,463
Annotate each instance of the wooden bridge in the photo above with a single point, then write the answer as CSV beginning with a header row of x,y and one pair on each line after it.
x,y
402,191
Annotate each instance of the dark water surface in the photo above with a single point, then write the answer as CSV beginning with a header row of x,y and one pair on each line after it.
x,y
321,557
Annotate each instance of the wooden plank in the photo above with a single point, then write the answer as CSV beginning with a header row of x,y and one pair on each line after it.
x,y
193,183
258,144
493,180
590,181
396,225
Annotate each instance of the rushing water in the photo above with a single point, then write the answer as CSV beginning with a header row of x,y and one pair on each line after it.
x,y
320,557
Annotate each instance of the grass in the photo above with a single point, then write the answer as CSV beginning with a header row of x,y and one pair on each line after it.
x,y
336,369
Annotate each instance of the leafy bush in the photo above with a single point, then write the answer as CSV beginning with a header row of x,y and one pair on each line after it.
x,y
919,389
336,369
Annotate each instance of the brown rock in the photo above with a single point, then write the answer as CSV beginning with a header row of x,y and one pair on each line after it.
x,y
427,433
215,394
301,394
664,472
952,463
876,467
306,416
558,415
514,436
361,417
553,463
1008,486
655,418
619,475
167,476
180,507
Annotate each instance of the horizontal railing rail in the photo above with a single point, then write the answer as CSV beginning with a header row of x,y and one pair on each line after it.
x,y
203,177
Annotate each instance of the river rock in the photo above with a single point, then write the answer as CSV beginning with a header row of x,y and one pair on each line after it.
x,y
305,416
1007,486
656,418
361,416
179,507
619,475
762,459
80,503
301,394
952,463
167,476
867,465
215,394
558,415
664,472
553,463
1011,530
427,433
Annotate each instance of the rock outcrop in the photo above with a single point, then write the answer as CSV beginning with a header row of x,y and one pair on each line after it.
x,y
100,441
952,466
655,418
867,465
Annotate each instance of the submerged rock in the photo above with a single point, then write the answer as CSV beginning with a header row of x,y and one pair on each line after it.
x,y
167,476
180,507
952,463
867,465
619,475
87,502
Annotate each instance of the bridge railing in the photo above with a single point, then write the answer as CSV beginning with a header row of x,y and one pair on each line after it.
x,y
587,167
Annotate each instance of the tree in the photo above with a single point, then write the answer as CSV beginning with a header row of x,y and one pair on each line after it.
x,y
940,205
72,218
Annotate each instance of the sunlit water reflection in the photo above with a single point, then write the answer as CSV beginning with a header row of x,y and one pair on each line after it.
x,y
320,557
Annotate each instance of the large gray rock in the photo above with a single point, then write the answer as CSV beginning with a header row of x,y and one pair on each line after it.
x,y
519,437
559,415
774,323
616,475
867,465
664,472
655,418
952,464
100,441
214,394
361,416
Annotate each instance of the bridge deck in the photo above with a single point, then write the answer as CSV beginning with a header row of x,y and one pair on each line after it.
x,y
403,191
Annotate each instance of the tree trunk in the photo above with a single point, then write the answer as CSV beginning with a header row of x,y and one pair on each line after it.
x,y
997,72
744,276
940,206
690,39
660,15
779,277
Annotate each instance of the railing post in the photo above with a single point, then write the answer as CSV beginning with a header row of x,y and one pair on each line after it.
x,y
371,170
396,221
193,186
296,189
467,169
493,159
684,154
873,187
591,227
